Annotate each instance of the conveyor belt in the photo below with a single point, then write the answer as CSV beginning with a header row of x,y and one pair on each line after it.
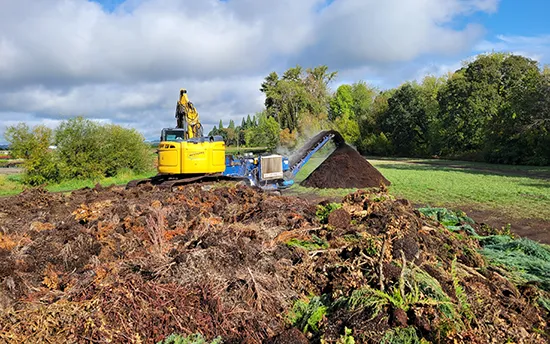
x,y
299,158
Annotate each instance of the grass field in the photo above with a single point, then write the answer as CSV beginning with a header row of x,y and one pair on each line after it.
x,y
11,184
517,191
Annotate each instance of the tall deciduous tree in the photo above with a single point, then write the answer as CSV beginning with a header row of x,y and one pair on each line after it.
x,y
297,94
405,121
341,104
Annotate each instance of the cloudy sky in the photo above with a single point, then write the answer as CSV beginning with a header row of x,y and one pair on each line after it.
x,y
125,61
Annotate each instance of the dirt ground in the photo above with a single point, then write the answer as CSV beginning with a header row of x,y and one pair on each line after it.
x,y
11,170
136,265
534,229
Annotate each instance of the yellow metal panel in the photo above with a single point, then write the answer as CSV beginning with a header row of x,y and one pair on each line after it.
x,y
191,158
169,158
194,158
218,156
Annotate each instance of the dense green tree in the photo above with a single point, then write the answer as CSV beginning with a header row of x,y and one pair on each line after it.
x,y
373,140
486,106
458,127
265,134
363,98
349,128
316,82
506,136
122,149
430,87
86,149
405,121
214,131
297,94
42,165
79,142
341,104
469,100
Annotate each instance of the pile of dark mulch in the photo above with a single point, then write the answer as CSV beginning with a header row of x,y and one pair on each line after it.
x,y
345,168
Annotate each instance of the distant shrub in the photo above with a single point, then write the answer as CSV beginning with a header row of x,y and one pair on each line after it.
x,y
33,146
83,149
90,150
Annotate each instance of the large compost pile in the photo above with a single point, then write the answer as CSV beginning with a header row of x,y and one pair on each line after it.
x,y
134,266
345,168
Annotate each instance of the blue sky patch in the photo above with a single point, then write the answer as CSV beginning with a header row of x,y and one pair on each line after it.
x,y
109,5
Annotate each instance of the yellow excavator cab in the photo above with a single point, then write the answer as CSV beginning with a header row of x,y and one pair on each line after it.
x,y
200,155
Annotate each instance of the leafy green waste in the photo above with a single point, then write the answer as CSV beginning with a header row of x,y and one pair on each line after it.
x,y
419,288
324,211
347,338
527,258
545,303
191,339
316,243
306,315
453,220
399,335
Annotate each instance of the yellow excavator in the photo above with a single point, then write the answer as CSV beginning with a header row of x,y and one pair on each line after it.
x,y
185,155
184,150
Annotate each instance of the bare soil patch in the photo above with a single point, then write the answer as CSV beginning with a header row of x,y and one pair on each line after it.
x,y
10,170
534,229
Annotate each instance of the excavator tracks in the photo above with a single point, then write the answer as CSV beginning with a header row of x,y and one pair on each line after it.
x,y
170,182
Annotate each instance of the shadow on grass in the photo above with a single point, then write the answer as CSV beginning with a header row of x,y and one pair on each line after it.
x,y
419,166
536,184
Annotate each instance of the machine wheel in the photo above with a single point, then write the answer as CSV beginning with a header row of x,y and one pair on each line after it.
x,y
244,182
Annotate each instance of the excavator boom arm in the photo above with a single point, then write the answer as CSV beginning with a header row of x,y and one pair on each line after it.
x,y
187,116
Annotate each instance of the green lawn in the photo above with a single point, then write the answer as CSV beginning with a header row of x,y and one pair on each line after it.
x,y
517,191
11,184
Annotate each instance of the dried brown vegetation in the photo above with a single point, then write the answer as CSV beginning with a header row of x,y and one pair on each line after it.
x,y
137,265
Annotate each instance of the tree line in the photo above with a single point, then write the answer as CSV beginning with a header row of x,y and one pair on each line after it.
x,y
496,108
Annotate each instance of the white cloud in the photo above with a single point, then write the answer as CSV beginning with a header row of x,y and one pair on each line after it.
x,y
534,47
355,32
60,58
